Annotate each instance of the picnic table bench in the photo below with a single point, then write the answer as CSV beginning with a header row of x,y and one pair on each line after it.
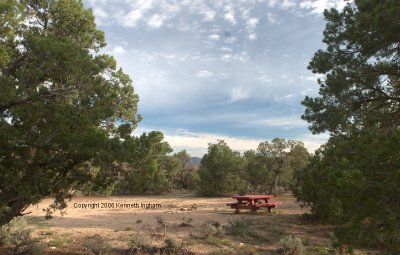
x,y
253,202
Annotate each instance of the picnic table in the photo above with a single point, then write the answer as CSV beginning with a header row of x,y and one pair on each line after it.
x,y
253,202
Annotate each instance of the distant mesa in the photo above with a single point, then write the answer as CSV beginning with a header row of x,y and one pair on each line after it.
x,y
195,161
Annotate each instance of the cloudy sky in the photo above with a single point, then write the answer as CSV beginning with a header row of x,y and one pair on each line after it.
x,y
218,69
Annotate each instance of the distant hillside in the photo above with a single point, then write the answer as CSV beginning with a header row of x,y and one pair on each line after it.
x,y
195,161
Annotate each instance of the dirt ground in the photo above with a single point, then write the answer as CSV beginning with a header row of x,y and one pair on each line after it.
x,y
182,216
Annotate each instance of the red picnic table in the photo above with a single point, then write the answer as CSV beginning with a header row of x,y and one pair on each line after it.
x,y
253,202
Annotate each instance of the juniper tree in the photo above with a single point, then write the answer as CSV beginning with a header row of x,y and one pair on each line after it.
x,y
65,109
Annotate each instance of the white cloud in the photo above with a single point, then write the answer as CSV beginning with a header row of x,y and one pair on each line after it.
x,y
272,3
252,36
313,142
273,18
318,6
238,94
209,15
100,13
312,78
226,49
144,4
287,4
197,143
235,57
214,37
118,50
204,74
230,15
156,21
131,19
137,11
252,23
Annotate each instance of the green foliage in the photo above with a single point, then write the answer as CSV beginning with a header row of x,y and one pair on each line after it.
x,y
291,245
212,229
240,227
360,88
221,171
185,176
142,241
173,247
17,234
258,175
353,180
273,165
61,103
58,242
353,183
282,159
171,243
143,172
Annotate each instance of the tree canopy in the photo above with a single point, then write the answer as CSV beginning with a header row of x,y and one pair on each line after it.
x,y
361,68
221,170
65,109
272,166
353,179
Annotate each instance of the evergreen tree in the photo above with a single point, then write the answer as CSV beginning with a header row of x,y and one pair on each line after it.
x,y
221,171
61,103
353,180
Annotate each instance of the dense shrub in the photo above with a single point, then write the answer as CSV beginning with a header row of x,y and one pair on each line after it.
x,y
240,227
353,183
291,245
212,229
17,234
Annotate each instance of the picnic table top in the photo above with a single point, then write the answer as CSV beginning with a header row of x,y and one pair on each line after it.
x,y
249,197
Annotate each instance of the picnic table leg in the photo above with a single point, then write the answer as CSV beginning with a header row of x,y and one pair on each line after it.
x,y
237,209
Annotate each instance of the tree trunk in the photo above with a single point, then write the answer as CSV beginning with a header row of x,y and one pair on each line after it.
x,y
16,208
274,186
277,173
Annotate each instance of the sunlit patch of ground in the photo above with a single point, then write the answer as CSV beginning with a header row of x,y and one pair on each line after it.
x,y
182,216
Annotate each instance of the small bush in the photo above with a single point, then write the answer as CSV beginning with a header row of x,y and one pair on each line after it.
x,y
240,227
173,247
138,221
58,242
212,229
128,228
98,245
172,243
16,233
291,245
141,241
